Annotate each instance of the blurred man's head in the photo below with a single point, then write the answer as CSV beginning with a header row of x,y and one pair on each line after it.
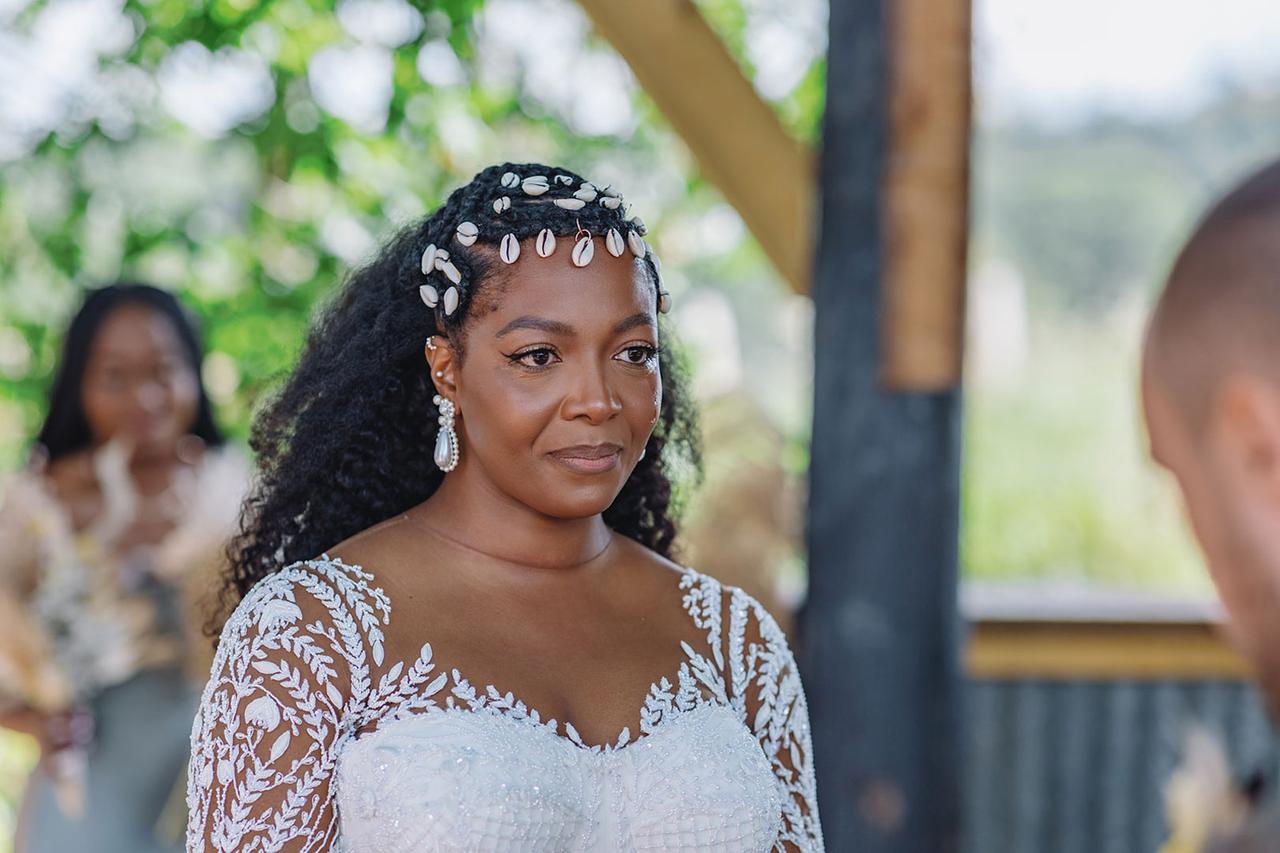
x,y
1211,393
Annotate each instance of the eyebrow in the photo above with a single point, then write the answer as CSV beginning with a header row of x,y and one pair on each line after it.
x,y
555,327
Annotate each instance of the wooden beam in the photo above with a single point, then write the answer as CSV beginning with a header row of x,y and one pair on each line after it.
x,y
1086,651
879,633
927,194
736,137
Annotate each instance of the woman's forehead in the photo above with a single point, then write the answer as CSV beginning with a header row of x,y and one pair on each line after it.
x,y
605,291
135,331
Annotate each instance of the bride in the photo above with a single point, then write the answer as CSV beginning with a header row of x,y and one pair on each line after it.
x,y
500,653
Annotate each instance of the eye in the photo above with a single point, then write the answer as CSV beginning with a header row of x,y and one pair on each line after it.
x,y
536,357
640,355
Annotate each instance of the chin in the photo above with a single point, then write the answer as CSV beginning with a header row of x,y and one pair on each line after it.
x,y
569,500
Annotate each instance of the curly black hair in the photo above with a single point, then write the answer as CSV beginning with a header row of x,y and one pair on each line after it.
x,y
347,442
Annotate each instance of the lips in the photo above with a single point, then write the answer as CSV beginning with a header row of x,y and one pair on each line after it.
x,y
588,458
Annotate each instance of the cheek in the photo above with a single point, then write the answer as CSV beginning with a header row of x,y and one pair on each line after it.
x,y
185,395
103,410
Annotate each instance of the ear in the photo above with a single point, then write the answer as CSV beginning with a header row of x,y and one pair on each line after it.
x,y
1246,419
442,361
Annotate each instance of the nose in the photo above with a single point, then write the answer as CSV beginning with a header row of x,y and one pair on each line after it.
x,y
150,396
591,396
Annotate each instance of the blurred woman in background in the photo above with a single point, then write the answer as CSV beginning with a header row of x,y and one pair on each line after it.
x,y
105,541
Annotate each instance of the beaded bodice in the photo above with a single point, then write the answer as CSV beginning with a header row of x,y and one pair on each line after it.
x,y
307,738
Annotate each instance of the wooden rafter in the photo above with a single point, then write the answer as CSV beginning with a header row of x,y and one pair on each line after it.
x,y
737,139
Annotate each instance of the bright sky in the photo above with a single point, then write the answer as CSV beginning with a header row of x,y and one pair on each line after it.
x,y
1058,59
1055,60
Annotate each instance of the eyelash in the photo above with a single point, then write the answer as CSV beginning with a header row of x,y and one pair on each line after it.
x,y
518,358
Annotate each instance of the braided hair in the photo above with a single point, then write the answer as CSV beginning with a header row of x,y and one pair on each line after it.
x,y
347,442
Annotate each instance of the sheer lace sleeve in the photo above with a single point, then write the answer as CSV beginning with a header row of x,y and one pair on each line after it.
x,y
766,688
290,677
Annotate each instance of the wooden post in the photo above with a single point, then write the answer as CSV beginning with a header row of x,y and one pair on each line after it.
x,y
879,634
926,194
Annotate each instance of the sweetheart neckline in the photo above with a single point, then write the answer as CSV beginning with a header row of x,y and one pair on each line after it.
x,y
513,707
663,727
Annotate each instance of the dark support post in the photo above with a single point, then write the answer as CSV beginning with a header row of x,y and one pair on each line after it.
x,y
879,634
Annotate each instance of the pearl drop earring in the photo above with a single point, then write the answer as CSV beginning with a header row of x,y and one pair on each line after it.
x,y
446,453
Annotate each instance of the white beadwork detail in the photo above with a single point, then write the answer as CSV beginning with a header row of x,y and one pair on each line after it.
x,y
310,737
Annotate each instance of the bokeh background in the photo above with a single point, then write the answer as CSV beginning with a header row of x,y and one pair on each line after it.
x,y
247,154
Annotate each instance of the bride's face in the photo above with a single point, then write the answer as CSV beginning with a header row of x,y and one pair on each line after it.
x,y
558,389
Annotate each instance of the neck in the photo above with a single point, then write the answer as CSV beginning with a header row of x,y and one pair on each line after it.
x,y
470,512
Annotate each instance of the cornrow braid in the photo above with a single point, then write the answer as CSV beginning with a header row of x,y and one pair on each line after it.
x,y
347,441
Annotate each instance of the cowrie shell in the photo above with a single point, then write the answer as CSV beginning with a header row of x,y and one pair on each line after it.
x,y
609,191
587,194
429,295
451,272
429,259
467,233
510,180
583,252
502,205
509,251
637,225
664,303
636,244
566,180
546,243
450,301
612,202
571,203
614,243
535,185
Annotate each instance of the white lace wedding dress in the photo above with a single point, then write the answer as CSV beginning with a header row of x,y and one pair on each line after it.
x,y
307,739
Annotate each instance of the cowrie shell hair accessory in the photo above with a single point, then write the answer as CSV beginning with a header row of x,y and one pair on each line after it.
x,y
570,203
546,243
450,272
535,185
467,233
429,259
611,202
637,245
510,180
430,296
509,251
583,251
502,205
614,243
451,297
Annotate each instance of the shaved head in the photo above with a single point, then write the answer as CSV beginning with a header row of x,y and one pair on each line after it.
x,y
1211,399
1220,311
